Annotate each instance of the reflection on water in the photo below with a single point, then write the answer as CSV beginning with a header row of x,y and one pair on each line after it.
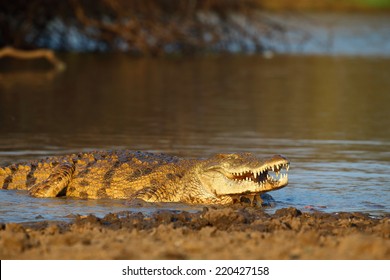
x,y
330,116
18,206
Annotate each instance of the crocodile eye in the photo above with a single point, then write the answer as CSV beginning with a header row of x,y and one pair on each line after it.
x,y
227,156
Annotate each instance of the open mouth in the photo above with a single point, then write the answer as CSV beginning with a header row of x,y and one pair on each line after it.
x,y
273,174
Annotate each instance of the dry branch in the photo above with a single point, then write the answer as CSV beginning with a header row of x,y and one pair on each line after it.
x,y
33,54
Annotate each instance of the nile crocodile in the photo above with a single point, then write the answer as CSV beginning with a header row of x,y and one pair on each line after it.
x,y
221,179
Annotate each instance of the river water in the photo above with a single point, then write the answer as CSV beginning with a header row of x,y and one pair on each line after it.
x,y
329,115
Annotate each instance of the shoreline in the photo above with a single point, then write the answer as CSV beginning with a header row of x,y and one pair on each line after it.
x,y
234,232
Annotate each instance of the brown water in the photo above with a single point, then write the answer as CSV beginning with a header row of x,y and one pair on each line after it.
x,y
329,115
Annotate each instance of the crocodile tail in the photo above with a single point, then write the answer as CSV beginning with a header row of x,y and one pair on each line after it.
x,y
16,176
5,177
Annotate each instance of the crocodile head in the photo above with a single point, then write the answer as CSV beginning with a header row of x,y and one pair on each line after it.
x,y
241,174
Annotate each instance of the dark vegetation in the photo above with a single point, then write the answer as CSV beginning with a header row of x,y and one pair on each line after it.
x,y
153,27
148,27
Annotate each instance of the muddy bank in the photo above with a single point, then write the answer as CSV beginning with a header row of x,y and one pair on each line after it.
x,y
214,233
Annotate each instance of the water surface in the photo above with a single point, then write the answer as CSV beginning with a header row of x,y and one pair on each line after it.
x,y
329,115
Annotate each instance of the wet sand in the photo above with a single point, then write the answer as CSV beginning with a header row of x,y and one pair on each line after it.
x,y
214,233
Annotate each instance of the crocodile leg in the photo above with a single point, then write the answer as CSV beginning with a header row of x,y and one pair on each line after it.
x,y
56,183
154,194
162,194
148,194
257,201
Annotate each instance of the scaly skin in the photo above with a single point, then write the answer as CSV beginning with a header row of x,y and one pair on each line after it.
x,y
221,179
